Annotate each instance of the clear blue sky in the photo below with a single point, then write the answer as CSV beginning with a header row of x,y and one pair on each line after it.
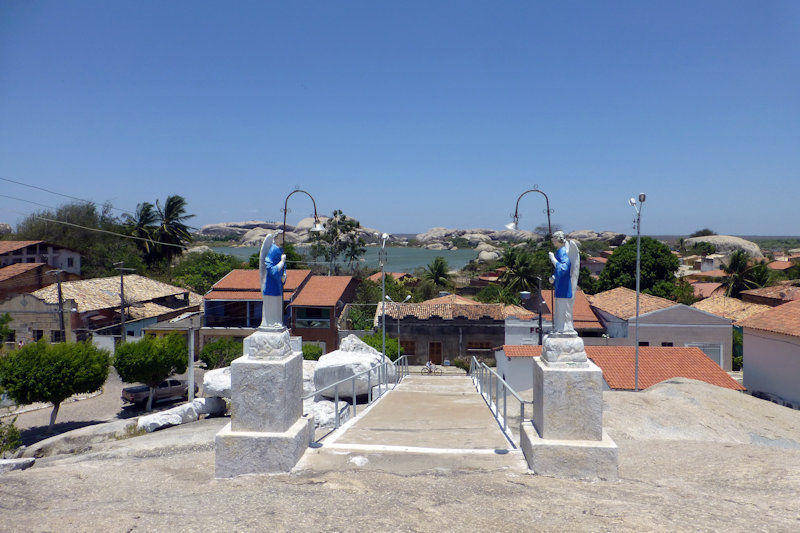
x,y
411,114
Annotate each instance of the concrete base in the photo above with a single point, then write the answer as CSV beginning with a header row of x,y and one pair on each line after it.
x,y
575,459
249,452
568,400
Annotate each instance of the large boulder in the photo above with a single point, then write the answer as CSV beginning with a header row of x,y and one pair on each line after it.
x,y
217,383
611,237
324,412
486,247
354,356
727,244
198,249
435,234
237,229
188,412
486,256
476,238
7,465
308,376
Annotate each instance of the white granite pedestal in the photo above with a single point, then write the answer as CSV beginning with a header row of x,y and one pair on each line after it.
x,y
267,432
566,436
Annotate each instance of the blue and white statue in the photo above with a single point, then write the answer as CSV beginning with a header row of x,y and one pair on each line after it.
x,y
272,271
567,264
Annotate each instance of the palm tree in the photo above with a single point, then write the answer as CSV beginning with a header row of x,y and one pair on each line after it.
x,y
354,248
436,272
143,225
520,273
743,275
172,228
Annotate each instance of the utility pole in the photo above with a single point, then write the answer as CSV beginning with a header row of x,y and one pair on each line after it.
x,y
57,273
119,266
637,222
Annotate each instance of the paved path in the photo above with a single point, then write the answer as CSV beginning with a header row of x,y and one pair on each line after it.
x,y
427,422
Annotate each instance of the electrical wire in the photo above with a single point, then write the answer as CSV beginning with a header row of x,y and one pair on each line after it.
x,y
9,180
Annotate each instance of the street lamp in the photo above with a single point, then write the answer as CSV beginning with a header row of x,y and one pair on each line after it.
x,y
316,228
382,260
514,225
637,225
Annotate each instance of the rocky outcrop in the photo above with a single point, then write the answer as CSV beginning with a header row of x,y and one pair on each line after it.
x,y
487,256
236,229
5,229
727,244
440,238
353,357
7,465
610,237
198,250
188,412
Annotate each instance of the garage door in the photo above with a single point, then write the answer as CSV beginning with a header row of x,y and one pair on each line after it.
x,y
713,351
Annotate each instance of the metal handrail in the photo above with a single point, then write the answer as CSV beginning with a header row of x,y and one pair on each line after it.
x,y
485,379
401,371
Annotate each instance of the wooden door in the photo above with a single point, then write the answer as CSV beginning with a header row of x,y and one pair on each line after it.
x,y
435,352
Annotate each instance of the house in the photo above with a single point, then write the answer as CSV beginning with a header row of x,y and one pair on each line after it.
x,y
19,278
314,312
731,308
66,259
525,329
235,300
656,364
772,296
92,307
706,289
771,341
663,322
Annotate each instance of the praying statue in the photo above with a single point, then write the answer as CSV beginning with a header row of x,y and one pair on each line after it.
x,y
567,263
272,271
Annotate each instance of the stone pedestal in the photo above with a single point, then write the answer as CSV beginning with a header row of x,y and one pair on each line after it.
x,y
566,437
267,432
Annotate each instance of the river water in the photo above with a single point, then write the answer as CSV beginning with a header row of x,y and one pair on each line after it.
x,y
399,259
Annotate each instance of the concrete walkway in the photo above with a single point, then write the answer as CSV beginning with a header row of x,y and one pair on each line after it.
x,y
427,422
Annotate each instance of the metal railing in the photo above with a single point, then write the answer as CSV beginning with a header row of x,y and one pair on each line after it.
x,y
381,372
495,391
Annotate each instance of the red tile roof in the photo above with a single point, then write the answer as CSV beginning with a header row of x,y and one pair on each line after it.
x,y
787,293
323,291
10,246
245,284
784,318
376,277
717,273
780,265
621,302
704,289
656,364
599,259
10,271
583,318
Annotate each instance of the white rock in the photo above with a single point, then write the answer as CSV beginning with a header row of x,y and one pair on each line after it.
x,y
6,465
324,413
308,376
485,257
188,412
359,460
217,383
727,244
353,357
476,238
198,250
486,247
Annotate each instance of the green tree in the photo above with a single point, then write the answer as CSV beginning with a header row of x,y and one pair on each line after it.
x,y
199,271
393,348
495,293
742,274
10,438
703,248
437,272
705,232
144,225
151,360
43,372
340,236
5,331
424,290
172,226
586,282
368,296
221,352
658,263
524,267
294,259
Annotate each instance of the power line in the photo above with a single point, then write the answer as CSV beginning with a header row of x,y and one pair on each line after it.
x,y
61,194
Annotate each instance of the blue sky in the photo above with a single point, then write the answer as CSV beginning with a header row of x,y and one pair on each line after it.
x,y
413,114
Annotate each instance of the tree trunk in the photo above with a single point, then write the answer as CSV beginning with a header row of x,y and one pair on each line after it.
x,y
150,399
53,416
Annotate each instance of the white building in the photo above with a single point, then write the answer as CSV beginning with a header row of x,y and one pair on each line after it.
x,y
771,365
12,252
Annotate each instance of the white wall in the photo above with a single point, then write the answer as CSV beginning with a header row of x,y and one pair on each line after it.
x,y
772,364
523,332
517,371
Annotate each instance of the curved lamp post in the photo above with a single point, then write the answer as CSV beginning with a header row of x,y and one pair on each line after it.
x,y
637,223
514,225
317,225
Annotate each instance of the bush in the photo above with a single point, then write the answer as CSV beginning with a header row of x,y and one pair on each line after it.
x,y
221,352
10,438
393,349
151,360
42,372
312,352
199,271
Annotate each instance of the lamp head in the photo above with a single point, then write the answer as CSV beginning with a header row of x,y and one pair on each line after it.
x,y
513,225
317,227
642,197
632,201
408,297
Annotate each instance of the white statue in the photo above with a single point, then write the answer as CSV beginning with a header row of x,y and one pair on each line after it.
x,y
272,271
567,264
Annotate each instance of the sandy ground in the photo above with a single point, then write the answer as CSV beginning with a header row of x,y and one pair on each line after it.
x,y
704,479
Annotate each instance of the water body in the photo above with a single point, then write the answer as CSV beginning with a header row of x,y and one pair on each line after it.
x,y
399,259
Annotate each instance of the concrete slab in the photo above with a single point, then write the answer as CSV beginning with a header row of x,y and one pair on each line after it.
x,y
586,460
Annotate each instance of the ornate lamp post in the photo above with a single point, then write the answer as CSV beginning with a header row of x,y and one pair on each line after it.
x,y
317,225
637,224
514,225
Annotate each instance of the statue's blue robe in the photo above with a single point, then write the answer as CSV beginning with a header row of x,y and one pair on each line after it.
x,y
273,281
563,285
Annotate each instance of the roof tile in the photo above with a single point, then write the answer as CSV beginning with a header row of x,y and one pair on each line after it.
x,y
784,319
621,302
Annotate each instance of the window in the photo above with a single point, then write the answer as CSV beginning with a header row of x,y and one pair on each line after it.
x,y
479,345
56,336
312,317
644,343
667,344
37,334
409,347
70,262
713,351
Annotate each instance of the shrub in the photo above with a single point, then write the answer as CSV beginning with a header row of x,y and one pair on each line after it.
x,y
10,438
312,352
151,360
221,352
393,349
42,372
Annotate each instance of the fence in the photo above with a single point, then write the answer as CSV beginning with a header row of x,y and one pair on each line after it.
x,y
496,392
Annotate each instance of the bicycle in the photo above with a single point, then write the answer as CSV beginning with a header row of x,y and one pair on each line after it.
x,y
433,370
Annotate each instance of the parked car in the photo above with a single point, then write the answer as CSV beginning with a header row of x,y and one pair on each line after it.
x,y
169,389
